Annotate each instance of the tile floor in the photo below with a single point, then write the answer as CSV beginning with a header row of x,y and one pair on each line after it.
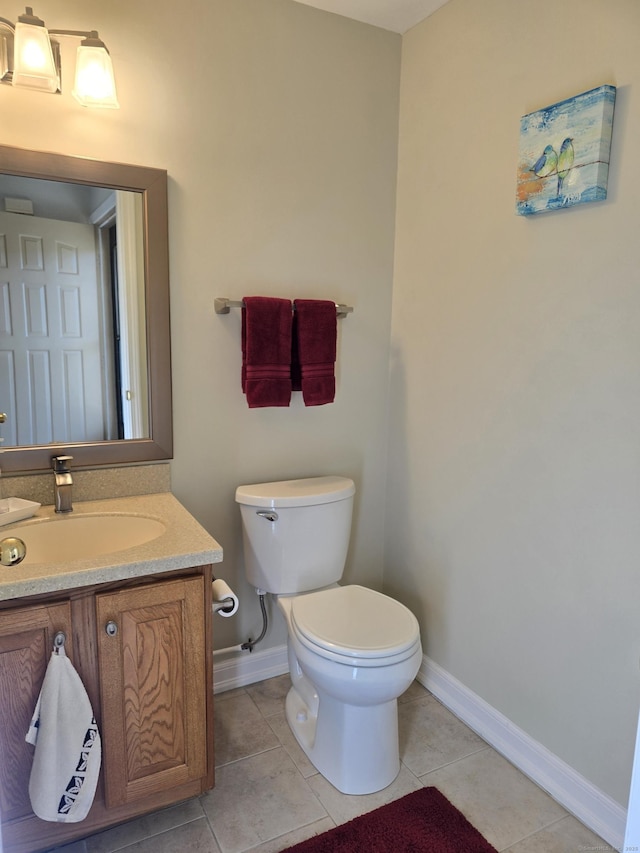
x,y
268,796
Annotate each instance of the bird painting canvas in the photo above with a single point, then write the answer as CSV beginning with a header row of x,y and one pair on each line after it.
x,y
564,152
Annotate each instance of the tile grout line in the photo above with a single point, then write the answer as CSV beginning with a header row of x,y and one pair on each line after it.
x,y
297,829
253,755
326,816
156,834
212,830
454,761
533,834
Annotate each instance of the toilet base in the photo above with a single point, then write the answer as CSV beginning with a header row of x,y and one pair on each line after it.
x,y
354,747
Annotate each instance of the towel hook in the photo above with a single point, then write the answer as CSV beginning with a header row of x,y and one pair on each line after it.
x,y
59,640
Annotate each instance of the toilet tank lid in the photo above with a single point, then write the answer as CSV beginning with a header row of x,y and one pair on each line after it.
x,y
306,492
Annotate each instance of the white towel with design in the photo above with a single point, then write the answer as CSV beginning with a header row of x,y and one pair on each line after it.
x,y
68,753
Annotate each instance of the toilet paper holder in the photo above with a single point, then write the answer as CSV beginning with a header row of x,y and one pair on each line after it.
x,y
225,601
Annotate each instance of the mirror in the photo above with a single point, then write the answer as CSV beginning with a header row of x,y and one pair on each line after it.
x,y
83,246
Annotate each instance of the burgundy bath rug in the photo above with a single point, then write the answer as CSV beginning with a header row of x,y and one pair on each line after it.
x,y
421,822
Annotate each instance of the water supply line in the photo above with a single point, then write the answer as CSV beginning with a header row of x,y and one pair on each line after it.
x,y
251,643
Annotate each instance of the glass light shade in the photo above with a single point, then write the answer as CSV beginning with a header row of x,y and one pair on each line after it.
x,y
33,64
95,85
4,56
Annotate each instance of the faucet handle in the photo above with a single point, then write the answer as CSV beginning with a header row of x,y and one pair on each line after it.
x,y
59,464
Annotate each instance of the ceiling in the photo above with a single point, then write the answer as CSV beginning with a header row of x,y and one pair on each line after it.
x,y
396,15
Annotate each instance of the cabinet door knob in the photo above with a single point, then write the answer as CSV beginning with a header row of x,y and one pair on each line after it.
x,y
111,629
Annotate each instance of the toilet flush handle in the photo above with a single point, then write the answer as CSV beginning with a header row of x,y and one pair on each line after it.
x,y
269,514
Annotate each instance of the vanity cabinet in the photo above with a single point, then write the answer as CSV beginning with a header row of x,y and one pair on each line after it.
x,y
143,651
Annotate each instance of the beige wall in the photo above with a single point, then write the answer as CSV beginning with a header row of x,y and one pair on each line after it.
x,y
278,128
514,468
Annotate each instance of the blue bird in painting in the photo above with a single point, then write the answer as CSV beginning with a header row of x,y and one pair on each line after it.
x,y
565,161
546,163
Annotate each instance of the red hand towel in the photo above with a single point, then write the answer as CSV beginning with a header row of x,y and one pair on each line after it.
x,y
315,331
266,351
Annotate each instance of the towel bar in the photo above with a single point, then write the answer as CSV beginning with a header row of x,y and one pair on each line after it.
x,y
224,306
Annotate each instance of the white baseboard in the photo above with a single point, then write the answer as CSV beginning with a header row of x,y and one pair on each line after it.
x,y
589,804
237,669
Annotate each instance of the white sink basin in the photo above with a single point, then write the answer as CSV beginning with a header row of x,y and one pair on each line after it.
x,y
81,537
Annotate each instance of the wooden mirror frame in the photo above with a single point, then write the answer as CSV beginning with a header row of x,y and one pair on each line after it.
x,y
152,184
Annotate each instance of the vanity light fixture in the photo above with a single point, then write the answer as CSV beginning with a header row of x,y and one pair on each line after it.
x,y
30,59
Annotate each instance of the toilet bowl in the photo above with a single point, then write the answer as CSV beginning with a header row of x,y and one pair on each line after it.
x,y
352,651
342,705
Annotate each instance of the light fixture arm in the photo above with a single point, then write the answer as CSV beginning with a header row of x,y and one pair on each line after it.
x,y
90,36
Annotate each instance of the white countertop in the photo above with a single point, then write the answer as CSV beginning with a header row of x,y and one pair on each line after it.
x,y
185,543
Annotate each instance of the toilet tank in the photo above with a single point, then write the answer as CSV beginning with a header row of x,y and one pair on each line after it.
x,y
296,532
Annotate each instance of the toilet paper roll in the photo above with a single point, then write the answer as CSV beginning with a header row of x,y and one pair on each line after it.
x,y
225,601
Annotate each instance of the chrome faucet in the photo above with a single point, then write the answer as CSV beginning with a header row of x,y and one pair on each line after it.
x,y
63,483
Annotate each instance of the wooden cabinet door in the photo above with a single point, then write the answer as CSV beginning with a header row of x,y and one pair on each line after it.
x,y
26,644
153,688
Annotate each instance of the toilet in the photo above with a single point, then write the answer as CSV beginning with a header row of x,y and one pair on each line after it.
x,y
352,651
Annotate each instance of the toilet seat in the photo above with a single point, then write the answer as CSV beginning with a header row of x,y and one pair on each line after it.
x,y
353,623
